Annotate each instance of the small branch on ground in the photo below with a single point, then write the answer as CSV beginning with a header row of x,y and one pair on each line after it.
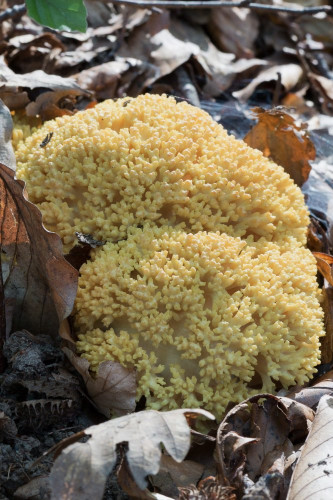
x,y
13,13
210,4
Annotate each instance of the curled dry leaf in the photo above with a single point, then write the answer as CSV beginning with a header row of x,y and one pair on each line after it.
x,y
112,389
126,481
290,75
325,265
82,468
166,42
49,91
310,396
35,488
327,341
207,489
234,30
313,475
38,284
105,78
278,136
173,475
326,85
254,440
317,240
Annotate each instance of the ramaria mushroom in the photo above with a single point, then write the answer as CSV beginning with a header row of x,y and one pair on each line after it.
x,y
114,167
205,285
199,316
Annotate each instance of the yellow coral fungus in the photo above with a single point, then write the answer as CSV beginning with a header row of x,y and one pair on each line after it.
x,y
217,289
23,127
150,159
198,315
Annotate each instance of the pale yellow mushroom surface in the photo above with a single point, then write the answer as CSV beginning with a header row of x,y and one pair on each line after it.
x,y
151,159
198,316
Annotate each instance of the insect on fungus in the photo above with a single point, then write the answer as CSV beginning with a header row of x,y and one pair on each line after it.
x,y
46,140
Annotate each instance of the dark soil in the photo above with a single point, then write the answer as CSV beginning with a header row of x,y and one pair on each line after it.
x,y
41,403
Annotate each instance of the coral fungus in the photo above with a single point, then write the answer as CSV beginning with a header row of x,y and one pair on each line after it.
x,y
198,315
204,284
117,166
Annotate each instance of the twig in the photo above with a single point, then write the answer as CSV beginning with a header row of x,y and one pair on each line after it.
x,y
210,4
187,87
277,90
13,12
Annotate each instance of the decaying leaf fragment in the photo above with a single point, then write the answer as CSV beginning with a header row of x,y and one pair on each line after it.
x,y
289,74
208,489
173,475
112,389
38,284
327,341
313,475
82,468
325,265
310,396
52,94
278,136
255,444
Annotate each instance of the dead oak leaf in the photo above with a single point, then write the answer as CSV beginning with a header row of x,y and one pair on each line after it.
x,y
313,475
256,437
311,395
288,144
82,468
112,389
234,30
38,285
37,91
325,265
290,74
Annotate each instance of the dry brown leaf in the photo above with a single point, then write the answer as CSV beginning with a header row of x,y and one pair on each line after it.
x,y
278,136
290,75
126,481
82,468
98,13
112,389
35,488
300,416
123,75
39,285
234,30
313,475
325,265
310,396
317,239
208,489
15,90
173,475
319,28
327,341
270,427
103,79
166,43
26,53
255,439
326,85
